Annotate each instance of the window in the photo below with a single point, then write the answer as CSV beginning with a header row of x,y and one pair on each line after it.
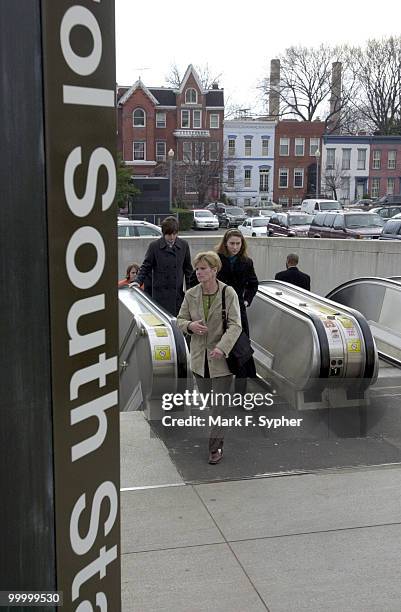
x,y
185,121
284,146
338,222
377,160
191,96
214,121
375,188
139,118
263,180
247,201
160,120
298,177
139,151
230,176
283,177
187,151
190,185
145,230
361,159
391,160
160,151
345,183
390,185
248,147
213,151
283,202
197,119
296,201
330,159
346,159
265,146
247,177
231,147
300,146
314,145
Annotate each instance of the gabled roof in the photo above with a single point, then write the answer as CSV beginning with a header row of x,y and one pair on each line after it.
x,y
137,85
191,70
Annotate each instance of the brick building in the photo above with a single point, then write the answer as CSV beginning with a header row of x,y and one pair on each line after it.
x,y
187,121
385,166
296,143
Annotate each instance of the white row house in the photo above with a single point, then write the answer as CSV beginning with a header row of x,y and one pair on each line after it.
x,y
345,167
249,161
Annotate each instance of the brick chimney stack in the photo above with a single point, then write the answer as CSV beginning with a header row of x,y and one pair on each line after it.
x,y
335,99
274,96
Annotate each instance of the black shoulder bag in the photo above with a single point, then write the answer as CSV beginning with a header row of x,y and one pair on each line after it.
x,y
242,350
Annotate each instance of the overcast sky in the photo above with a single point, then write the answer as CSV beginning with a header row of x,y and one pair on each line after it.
x,y
237,42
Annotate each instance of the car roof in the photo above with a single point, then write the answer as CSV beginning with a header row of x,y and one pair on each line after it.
x,y
137,222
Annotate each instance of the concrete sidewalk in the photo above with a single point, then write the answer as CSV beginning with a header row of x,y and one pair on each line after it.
x,y
328,541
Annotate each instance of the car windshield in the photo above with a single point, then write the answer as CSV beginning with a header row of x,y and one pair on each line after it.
x,y
260,222
334,205
203,213
235,211
358,221
300,219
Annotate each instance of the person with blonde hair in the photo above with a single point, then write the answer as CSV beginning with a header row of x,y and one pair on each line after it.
x,y
201,317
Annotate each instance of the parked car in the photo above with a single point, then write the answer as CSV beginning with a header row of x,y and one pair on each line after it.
x,y
289,224
254,226
392,229
362,203
204,219
228,216
135,228
315,205
389,199
346,224
387,211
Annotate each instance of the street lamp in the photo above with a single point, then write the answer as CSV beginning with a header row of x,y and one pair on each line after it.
x,y
170,158
317,155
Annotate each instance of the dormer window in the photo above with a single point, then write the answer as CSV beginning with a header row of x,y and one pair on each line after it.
x,y
139,118
191,96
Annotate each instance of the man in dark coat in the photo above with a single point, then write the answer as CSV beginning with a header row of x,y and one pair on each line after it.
x,y
292,274
167,262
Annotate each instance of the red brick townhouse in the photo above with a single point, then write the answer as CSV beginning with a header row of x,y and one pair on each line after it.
x,y
385,166
186,122
296,143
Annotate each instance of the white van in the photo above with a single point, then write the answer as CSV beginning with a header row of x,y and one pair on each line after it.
x,y
315,205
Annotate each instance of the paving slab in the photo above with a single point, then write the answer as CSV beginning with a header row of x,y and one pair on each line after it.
x,y
355,570
195,579
165,518
144,459
307,503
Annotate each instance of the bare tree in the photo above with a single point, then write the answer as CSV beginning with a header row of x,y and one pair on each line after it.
x,y
200,170
206,76
333,178
305,85
378,72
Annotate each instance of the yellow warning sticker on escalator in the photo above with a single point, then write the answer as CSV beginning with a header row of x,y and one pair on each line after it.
x,y
161,332
354,346
162,353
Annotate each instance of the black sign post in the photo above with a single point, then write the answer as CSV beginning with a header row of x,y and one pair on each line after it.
x,y
59,404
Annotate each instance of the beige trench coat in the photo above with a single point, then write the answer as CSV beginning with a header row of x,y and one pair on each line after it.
x,y
192,310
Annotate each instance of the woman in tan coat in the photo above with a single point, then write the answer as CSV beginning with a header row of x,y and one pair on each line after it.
x,y
201,316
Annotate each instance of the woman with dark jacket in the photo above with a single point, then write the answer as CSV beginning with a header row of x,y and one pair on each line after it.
x,y
238,272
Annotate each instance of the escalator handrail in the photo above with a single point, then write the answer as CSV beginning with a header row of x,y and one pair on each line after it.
x,y
180,345
319,328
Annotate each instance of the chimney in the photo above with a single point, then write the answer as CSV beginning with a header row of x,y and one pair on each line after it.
x,y
274,96
215,85
335,99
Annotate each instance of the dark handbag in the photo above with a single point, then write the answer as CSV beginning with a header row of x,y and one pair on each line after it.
x,y
242,350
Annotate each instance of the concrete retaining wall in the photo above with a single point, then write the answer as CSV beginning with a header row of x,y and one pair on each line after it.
x,y
329,262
